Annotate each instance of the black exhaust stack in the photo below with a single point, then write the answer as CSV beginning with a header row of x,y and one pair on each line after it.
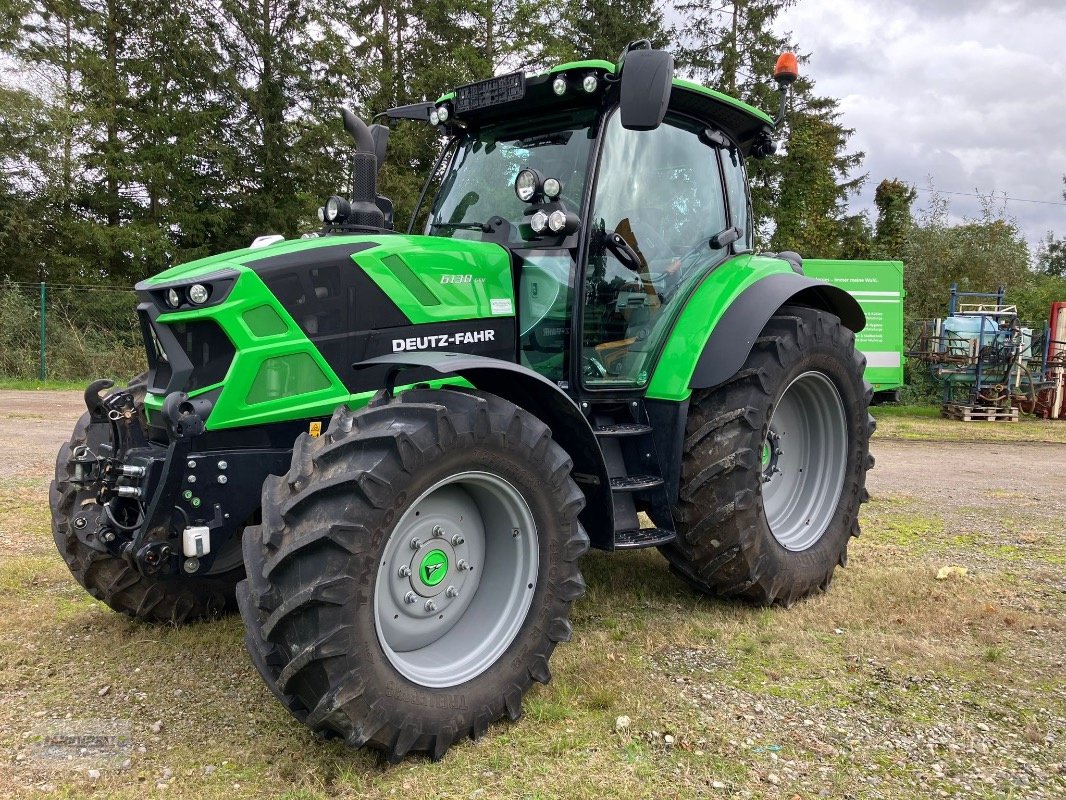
x,y
365,162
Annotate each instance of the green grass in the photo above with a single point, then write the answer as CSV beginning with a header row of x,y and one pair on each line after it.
x,y
46,385
924,423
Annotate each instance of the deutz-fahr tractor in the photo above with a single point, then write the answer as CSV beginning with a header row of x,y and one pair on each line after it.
x,y
390,450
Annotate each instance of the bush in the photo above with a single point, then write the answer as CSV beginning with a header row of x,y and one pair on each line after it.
x,y
92,332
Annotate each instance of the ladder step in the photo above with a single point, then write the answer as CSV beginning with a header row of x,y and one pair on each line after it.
x,y
642,537
624,429
635,483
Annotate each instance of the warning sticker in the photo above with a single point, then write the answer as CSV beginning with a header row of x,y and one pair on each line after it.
x,y
315,429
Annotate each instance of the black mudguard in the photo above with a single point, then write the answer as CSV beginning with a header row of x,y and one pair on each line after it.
x,y
735,334
544,400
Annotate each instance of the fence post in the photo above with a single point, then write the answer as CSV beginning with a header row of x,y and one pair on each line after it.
x,y
44,329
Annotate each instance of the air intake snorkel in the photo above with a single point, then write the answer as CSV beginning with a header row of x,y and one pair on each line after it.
x,y
369,152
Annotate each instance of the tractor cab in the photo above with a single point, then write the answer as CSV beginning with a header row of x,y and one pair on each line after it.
x,y
618,188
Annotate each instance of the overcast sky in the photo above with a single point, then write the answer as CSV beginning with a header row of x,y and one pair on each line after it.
x,y
970,94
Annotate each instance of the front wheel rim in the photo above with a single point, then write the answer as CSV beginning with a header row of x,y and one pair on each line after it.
x,y
804,460
456,579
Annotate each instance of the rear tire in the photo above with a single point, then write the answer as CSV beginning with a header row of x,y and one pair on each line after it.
x,y
113,580
775,463
336,604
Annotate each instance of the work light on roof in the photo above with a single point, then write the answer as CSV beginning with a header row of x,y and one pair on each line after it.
x,y
173,298
559,86
590,82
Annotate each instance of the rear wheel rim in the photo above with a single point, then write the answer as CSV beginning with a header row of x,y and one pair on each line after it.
x,y
804,460
456,579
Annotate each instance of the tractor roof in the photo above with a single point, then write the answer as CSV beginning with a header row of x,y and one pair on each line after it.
x,y
744,122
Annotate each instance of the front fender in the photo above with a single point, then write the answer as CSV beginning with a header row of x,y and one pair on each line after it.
x,y
723,317
547,402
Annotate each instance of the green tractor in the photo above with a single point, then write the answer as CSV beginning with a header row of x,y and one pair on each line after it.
x,y
390,450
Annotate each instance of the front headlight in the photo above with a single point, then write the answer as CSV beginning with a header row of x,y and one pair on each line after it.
x,y
198,294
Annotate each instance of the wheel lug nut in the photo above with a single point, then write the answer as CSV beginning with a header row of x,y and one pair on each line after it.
x,y
431,606
438,530
405,571
457,540
461,564
416,543
410,598
451,591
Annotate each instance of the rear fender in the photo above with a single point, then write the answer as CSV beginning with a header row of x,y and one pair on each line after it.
x,y
722,317
544,400
731,340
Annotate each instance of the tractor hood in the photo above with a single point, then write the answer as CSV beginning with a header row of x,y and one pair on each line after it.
x,y
265,332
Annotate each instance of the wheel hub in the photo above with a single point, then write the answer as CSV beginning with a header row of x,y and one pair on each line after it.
x,y
456,578
803,461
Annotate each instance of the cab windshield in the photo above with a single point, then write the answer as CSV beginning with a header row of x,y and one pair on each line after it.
x,y
479,183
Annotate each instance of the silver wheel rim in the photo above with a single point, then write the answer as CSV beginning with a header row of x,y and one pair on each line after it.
x,y
803,460
456,580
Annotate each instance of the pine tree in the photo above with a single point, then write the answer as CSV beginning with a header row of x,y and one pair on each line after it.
x,y
893,199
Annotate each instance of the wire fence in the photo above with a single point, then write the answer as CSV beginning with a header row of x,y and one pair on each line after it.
x,y
67,332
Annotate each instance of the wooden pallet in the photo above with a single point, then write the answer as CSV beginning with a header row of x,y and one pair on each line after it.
x,y
979,413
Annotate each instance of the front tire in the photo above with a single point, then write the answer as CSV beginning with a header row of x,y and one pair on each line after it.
x,y
775,463
414,570
113,580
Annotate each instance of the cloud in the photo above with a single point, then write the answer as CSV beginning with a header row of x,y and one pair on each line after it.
x,y
964,93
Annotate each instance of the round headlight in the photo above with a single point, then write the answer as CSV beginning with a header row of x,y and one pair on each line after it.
x,y
443,113
557,221
173,298
434,117
321,214
539,222
337,209
559,86
198,293
552,188
589,83
525,185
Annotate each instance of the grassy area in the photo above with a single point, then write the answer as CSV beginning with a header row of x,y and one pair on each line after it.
x,y
47,385
892,684
924,423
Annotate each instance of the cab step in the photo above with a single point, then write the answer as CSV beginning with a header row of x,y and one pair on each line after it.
x,y
623,429
635,483
642,537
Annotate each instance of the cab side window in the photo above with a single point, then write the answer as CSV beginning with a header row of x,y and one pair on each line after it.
x,y
662,193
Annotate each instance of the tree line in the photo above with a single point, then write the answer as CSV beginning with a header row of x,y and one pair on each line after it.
x,y
137,135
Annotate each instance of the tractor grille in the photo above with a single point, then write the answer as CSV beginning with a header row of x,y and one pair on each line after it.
x,y
185,356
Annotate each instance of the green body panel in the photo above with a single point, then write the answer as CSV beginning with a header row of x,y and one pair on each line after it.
x,y
877,286
285,358
701,313
277,373
437,279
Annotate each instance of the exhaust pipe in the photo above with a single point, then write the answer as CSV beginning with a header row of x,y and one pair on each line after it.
x,y
365,211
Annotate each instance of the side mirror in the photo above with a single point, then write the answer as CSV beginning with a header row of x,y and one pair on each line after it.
x,y
647,77
725,238
380,135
